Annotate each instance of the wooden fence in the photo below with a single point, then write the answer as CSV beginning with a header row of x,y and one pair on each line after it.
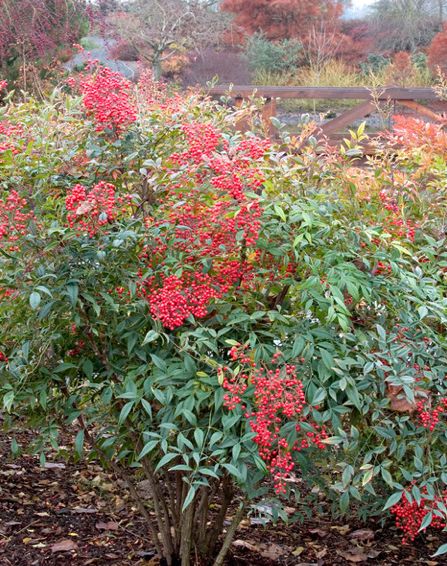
x,y
422,101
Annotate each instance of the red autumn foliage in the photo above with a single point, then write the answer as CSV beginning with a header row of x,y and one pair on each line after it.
x,y
414,133
357,40
437,51
281,19
32,28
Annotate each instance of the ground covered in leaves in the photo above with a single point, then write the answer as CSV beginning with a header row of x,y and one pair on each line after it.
x,y
66,513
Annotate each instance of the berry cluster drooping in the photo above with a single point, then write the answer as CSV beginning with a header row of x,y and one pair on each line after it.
x,y
15,218
276,396
410,514
214,231
179,298
10,135
89,210
395,224
107,98
430,416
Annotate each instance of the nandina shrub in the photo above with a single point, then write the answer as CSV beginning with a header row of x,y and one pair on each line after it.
x,y
139,243
218,317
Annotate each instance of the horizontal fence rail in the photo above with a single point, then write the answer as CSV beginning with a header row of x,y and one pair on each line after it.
x,y
328,93
424,102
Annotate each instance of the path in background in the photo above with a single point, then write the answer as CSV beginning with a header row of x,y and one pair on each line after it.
x,y
101,53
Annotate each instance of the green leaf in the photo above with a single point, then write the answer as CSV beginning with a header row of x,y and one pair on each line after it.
x,y
34,300
344,502
367,477
320,395
426,521
189,497
147,407
79,443
8,400
441,550
148,447
161,364
165,460
233,470
73,292
125,412
151,336
199,437
393,499
387,477
422,311
87,368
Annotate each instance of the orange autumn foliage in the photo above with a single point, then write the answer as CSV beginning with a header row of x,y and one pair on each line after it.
x,y
437,52
280,19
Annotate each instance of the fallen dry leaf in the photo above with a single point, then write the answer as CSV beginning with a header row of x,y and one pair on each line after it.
x,y
321,553
298,551
53,466
110,526
342,529
362,534
64,546
352,556
270,551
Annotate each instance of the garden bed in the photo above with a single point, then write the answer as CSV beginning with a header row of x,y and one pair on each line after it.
x,y
68,513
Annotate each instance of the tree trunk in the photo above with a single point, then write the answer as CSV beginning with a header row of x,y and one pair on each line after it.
x,y
156,66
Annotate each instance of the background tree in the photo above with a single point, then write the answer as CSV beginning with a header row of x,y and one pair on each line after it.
x,y
437,52
158,28
31,29
405,25
281,19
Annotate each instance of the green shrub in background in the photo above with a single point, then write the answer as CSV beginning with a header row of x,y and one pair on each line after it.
x,y
374,63
267,56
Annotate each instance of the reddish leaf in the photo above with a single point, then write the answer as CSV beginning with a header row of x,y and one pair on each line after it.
x,y
64,546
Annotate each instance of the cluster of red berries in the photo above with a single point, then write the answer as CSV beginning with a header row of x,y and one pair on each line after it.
x,y
15,218
178,298
154,94
278,396
382,269
107,97
3,358
216,229
410,514
5,293
89,210
430,417
10,135
395,224
77,349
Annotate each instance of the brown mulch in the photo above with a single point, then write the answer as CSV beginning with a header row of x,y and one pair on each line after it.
x,y
74,514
